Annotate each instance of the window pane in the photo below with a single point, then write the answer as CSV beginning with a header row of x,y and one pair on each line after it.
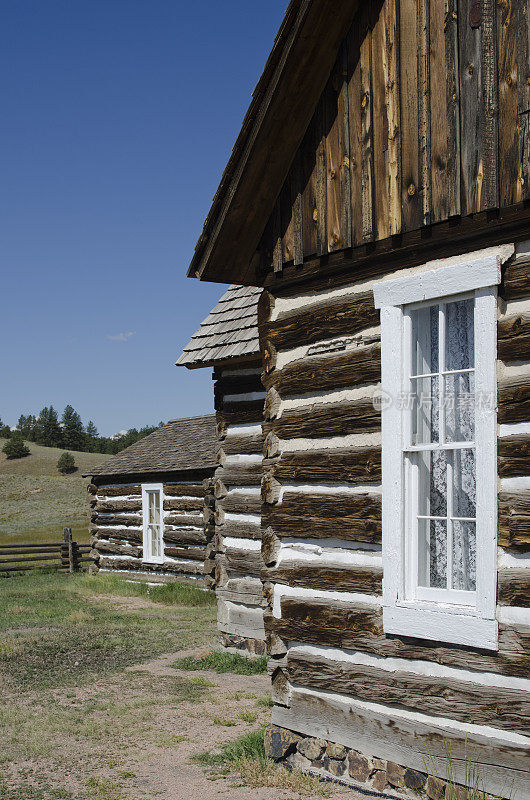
x,y
459,335
432,553
464,483
464,556
154,508
459,405
425,410
432,483
154,531
424,340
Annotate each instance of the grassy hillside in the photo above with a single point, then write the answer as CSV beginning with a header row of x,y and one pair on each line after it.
x,y
36,501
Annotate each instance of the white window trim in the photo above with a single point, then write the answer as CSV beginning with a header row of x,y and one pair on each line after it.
x,y
475,625
147,556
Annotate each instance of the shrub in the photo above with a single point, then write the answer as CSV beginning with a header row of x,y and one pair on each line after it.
x,y
15,447
66,463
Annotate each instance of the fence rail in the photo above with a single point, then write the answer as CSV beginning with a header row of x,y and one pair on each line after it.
x,y
65,556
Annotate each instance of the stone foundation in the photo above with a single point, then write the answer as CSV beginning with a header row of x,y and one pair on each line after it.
x,y
334,762
246,646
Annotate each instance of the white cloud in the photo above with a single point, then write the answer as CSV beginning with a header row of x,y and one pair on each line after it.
x,y
120,337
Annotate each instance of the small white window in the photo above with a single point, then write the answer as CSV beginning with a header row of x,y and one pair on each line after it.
x,y
153,523
438,338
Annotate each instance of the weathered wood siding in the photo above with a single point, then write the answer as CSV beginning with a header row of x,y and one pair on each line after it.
x,y
117,531
425,118
336,674
239,397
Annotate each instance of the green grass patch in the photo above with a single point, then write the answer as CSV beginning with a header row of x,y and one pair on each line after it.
x,y
249,745
174,593
265,701
59,630
224,662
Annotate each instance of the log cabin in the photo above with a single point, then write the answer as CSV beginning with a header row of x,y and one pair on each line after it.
x,y
148,504
378,194
227,341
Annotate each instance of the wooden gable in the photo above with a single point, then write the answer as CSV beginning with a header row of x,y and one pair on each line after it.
x,y
420,135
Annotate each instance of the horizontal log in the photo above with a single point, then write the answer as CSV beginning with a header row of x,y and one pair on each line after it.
x,y
31,546
243,444
516,279
187,520
466,701
178,504
119,548
185,536
135,565
184,490
240,619
111,519
244,412
118,505
514,401
326,419
330,506
239,529
119,491
351,529
338,316
514,587
240,475
119,534
191,553
241,503
367,580
347,465
513,338
514,456
323,373
238,384
514,520
242,562
361,628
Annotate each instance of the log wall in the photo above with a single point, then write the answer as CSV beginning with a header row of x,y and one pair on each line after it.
x,y
239,398
336,675
117,531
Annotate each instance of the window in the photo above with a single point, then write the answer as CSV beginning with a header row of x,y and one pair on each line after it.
x,y
153,525
438,337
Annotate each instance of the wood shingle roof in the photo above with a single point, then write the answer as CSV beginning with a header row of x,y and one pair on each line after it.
x,y
230,331
182,445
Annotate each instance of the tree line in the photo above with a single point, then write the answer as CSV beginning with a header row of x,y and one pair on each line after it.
x,y
70,433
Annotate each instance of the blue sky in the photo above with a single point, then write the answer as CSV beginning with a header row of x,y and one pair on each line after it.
x,y
118,117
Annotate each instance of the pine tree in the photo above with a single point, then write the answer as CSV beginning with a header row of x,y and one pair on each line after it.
x,y
73,432
15,447
92,437
49,432
66,463
5,430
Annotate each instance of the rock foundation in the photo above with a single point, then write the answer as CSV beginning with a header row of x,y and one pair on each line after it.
x,y
337,763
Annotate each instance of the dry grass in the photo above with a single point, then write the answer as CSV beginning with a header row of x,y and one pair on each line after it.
x,y
37,502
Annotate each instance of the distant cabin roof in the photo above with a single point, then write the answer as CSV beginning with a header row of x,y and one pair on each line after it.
x,y
230,331
181,445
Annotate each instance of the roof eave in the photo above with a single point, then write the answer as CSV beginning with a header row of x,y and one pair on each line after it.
x,y
294,78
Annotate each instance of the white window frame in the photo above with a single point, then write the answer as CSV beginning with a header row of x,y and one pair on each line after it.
x,y
147,555
472,625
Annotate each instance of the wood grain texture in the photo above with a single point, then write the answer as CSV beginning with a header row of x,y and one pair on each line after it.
x,y
326,578
348,465
513,338
411,47
507,709
514,521
321,373
361,628
514,401
513,587
327,320
326,419
516,279
514,456
510,186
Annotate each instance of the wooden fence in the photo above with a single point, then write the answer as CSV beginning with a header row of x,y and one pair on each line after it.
x,y
65,556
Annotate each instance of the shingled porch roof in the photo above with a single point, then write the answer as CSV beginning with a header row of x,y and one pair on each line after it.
x,y
229,332
182,445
